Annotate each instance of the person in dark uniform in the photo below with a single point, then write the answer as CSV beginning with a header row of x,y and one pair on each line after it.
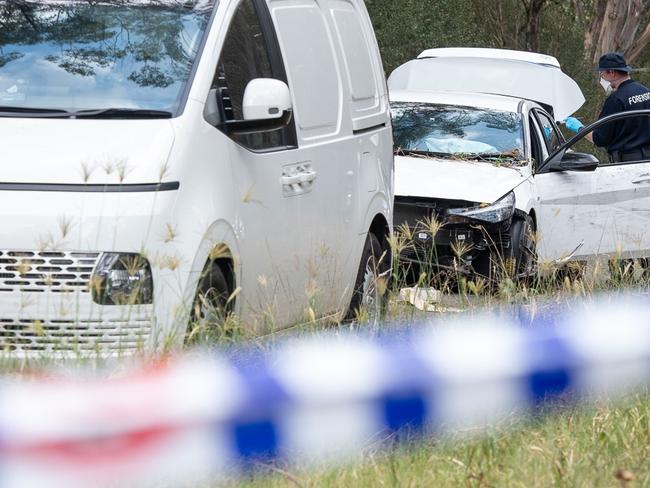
x,y
627,139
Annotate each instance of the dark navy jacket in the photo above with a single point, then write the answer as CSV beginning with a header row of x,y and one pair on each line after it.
x,y
627,134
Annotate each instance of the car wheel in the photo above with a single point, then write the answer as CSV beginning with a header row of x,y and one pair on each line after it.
x,y
369,291
211,307
522,253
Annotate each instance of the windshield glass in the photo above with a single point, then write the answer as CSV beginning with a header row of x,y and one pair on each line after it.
x,y
85,55
453,130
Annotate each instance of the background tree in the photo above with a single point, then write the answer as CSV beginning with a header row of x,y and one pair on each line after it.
x,y
615,25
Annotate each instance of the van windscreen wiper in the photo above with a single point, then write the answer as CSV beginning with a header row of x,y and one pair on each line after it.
x,y
9,111
121,113
100,113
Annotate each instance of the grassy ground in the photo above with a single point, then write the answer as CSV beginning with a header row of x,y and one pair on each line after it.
x,y
601,447
606,445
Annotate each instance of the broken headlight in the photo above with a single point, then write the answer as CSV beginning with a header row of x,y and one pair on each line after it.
x,y
496,212
122,279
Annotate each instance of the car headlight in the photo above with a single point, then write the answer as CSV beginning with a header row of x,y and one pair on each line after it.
x,y
122,279
497,212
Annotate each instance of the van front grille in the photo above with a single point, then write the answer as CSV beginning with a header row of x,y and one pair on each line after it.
x,y
54,271
73,336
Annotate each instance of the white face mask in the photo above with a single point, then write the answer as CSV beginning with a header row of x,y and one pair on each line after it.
x,y
607,86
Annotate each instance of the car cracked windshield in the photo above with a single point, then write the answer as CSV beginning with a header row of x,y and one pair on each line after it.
x,y
130,58
456,132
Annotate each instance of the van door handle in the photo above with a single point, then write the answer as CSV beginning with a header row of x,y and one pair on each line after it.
x,y
641,179
305,177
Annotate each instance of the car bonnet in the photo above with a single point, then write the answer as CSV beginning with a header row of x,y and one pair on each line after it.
x,y
531,80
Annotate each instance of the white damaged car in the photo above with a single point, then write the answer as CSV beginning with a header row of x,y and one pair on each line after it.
x,y
483,176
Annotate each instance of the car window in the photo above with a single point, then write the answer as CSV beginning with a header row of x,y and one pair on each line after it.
x,y
538,153
552,136
454,130
245,56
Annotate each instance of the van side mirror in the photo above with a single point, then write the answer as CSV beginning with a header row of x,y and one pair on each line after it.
x,y
573,161
266,106
266,98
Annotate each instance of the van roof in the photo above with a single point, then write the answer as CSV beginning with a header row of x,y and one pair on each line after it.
x,y
462,99
507,54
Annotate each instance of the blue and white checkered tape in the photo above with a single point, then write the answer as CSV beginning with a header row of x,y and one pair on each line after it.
x,y
324,398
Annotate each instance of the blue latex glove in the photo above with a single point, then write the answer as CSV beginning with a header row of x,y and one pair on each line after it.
x,y
547,132
573,124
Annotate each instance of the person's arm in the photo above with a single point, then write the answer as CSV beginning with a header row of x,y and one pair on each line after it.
x,y
605,134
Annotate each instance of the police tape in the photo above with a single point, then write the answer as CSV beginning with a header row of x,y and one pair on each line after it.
x,y
318,399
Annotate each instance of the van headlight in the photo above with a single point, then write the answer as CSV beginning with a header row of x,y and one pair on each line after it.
x,y
499,211
122,279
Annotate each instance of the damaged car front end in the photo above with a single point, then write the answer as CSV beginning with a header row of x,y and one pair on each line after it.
x,y
457,168
459,236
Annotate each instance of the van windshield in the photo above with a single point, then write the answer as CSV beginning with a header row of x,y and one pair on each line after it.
x,y
450,130
127,56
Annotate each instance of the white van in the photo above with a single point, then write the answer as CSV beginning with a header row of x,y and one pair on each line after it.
x,y
163,158
480,154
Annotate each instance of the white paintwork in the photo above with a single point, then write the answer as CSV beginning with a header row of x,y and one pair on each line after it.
x,y
266,98
607,210
477,52
85,151
455,180
284,245
543,83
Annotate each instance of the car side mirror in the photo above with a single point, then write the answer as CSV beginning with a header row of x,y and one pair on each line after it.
x,y
573,161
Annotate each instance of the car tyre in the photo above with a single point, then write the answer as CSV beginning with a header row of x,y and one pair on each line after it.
x,y
522,252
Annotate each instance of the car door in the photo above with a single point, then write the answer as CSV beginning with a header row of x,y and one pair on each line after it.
x,y
601,212
563,222
271,173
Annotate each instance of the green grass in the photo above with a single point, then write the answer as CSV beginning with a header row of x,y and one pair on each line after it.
x,y
572,446
568,445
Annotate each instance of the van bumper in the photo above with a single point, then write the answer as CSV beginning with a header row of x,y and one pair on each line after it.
x,y
49,247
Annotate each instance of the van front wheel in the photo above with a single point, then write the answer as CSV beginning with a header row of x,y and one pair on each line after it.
x,y
370,297
210,309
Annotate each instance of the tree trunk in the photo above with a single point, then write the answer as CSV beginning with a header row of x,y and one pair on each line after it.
x,y
617,25
533,23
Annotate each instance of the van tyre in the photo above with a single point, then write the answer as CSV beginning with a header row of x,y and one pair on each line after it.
x,y
371,284
211,307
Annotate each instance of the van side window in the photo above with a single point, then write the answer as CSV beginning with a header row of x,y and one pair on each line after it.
x,y
245,56
312,66
551,136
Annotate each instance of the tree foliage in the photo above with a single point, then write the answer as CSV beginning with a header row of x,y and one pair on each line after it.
x,y
576,32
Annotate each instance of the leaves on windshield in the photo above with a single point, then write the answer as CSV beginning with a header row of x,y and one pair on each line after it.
x,y
454,130
507,159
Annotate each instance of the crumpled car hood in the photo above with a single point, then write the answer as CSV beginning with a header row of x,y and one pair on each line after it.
x,y
472,181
